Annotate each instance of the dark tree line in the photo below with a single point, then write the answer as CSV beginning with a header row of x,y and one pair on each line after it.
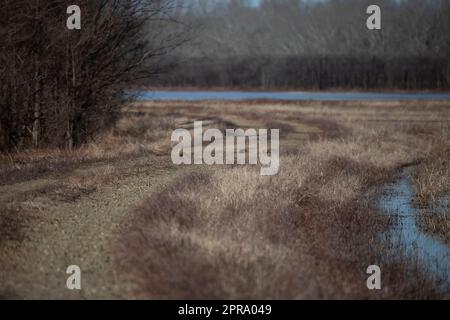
x,y
319,45
58,87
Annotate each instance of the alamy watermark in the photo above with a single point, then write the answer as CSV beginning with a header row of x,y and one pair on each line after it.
x,y
74,20
74,280
374,281
374,20
229,149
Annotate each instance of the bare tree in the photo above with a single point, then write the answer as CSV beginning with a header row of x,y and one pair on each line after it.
x,y
60,86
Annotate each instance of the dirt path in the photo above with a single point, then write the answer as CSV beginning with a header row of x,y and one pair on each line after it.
x,y
79,233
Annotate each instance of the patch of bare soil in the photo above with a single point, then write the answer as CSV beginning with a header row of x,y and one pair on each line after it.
x,y
54,233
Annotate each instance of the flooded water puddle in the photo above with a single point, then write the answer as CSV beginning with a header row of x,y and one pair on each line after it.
x,y
428,251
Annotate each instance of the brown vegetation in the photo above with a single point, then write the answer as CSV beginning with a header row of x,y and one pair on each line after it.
x,y
221,232
432,184
308,232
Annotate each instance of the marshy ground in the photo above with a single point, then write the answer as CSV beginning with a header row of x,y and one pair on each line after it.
x,y
140,227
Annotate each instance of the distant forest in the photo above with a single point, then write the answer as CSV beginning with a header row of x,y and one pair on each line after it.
x,y
315,45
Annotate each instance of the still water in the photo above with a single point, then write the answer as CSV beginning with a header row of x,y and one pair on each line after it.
x,y
428,251
288,96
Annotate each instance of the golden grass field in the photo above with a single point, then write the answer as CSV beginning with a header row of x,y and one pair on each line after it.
x,y
141,227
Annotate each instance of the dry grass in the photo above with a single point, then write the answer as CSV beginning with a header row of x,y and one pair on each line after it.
x,y
309,232
136,135
432,179
432,184
226,232
436,221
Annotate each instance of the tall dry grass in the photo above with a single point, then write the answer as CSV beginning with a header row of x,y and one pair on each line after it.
x,y
309,232
432,184
226,232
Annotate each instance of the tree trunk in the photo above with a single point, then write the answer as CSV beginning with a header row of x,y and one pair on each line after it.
x,y
69,135
36,108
